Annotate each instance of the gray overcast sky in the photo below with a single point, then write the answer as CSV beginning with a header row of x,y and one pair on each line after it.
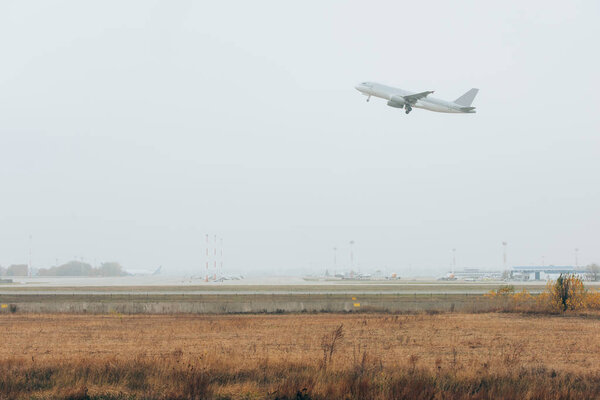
x,y
130,129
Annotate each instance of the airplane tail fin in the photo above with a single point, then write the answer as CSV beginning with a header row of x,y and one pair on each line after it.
x,y
467,99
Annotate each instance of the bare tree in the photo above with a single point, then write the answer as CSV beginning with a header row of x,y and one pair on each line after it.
x,y
593,272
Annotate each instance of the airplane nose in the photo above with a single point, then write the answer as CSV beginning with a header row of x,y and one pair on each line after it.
x,y
359,87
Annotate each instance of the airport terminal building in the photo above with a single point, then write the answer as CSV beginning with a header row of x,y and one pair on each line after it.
x,y
543,273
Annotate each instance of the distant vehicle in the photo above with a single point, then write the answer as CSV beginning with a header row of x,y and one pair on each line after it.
x,y
399,98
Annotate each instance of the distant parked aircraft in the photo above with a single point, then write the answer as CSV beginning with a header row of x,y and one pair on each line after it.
x,y
139,272
400,98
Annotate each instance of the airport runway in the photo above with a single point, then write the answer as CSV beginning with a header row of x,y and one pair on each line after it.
x,y
178,286
348,291
164,281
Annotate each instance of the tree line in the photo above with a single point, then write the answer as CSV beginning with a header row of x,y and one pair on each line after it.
x,y
72,268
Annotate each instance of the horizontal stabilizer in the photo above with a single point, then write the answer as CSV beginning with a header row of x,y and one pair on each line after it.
x,y
467,99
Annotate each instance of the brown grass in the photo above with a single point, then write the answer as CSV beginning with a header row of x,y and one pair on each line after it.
x,y
281,356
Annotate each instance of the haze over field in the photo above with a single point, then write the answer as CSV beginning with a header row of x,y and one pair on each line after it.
x,y
129,130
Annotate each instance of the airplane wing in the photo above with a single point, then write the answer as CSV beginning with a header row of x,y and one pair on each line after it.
x,y
412,98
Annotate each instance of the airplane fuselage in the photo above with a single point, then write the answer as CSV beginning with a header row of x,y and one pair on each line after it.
x,y
427,103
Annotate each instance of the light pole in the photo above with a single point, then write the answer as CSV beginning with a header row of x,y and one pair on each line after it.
x,y
504,254
221,249
453,261
29,262
351,254
334,260
576,257
207,258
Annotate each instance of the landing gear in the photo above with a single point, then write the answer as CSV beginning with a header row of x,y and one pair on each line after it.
x,y
368,98
408,108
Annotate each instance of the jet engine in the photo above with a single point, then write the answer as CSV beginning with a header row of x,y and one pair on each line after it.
x,y
396,102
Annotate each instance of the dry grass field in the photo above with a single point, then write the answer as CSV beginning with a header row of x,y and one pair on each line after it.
x,y
495,355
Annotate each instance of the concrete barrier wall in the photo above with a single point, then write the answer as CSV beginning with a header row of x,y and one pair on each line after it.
x,y
196,307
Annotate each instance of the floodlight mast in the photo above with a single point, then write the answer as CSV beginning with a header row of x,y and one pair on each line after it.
x,y
207,259
351,255
334,260
215,260
453,261
30,251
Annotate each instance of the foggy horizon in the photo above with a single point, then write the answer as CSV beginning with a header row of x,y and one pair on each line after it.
x,y
129,136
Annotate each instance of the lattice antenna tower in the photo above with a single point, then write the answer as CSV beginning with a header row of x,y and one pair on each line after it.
x,y
207,259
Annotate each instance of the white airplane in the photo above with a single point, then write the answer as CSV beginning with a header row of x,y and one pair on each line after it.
x,y
143,272
399,98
